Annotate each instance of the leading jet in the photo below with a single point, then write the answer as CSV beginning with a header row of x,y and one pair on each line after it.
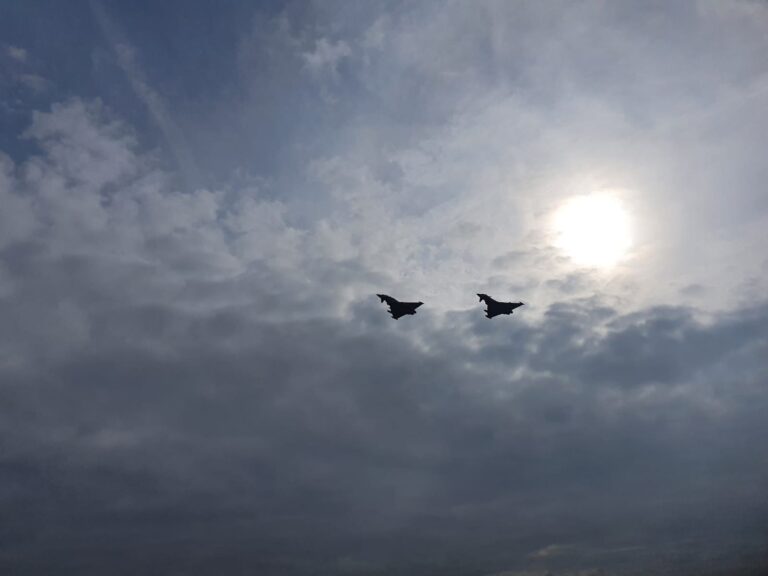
x,y
495,308
399,309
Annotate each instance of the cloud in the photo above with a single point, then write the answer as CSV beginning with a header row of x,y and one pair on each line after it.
x,y
203,375
178,371
326,55
510,110
550,551
16,53
151,98
19,80
34,82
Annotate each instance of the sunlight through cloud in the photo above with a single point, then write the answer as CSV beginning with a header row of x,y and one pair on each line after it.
x,y
593,230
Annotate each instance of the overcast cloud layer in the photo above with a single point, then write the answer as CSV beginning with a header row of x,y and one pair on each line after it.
x,y
198,204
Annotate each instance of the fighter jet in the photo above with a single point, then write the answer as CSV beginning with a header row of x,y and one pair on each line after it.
x,y
399,309
495,308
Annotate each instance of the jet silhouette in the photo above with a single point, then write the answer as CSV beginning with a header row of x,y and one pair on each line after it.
x,y
399,309
496,308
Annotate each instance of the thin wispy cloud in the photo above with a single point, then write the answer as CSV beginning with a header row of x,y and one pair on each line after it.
x,y
125,53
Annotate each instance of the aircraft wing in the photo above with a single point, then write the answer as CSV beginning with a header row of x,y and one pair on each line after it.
x,y
400,309
487,299
388,299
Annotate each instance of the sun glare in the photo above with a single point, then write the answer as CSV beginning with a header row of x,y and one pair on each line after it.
x,y
593,230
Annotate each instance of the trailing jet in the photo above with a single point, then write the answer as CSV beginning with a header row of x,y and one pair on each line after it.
x,y
399,309
496,308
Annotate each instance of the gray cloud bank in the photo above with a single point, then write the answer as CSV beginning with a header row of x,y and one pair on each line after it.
x,y
192,384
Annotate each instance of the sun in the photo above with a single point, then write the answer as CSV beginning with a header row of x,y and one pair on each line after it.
x,y
593,230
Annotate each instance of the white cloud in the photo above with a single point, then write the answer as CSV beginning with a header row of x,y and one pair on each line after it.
x,y
500,112
326,55
16,218
34,82
82,144
16,53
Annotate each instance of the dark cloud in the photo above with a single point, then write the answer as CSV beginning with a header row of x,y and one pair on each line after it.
x,y
220,441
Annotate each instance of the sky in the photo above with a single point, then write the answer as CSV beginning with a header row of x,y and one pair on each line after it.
x,y
199,201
